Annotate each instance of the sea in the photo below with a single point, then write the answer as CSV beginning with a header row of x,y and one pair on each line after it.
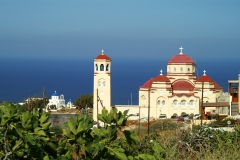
x,y
24,78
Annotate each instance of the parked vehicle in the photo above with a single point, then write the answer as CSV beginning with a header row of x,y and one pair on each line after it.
x,y
162,116
186,116
197,116
178,119
172,117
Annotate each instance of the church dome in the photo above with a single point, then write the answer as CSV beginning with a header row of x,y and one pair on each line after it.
x,y
161,78
216,86
181,58
55,94
204,78
182,85
147,84
103,56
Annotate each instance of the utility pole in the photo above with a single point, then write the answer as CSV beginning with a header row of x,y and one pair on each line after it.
x,y
43,90
97,109
148,108
139,121
202,108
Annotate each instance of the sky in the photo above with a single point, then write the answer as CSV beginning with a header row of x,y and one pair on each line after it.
x,y
125,29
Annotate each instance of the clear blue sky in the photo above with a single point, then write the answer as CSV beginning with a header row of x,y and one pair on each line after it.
x,y
123,28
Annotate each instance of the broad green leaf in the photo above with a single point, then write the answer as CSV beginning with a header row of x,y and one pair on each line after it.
x,y
46,157
46,125
26,120
147,156
44,118
72,128
118,152
30,138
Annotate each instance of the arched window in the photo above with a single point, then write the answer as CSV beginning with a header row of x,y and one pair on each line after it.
x,y
104,83
96,67
107,67
101,67
158,103
193,69
183,102
163,103
99,83
191,103
143,99
175,102
174,69
188,69
181,69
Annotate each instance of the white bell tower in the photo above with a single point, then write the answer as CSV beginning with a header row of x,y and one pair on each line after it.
x,y
101,84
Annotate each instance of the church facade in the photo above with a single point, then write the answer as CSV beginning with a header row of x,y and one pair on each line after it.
x,y
179,91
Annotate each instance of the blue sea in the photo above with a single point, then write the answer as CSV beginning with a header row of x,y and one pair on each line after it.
x,y
24,78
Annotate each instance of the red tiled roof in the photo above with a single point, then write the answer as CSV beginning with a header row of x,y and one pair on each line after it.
x,y
204,78
216,86
182,85
161,78
103,56
181,58
147,84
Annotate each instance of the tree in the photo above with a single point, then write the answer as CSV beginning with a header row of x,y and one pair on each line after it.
x,y
35,102
25,134
84,101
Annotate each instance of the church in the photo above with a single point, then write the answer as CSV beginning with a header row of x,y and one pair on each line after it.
x,y
178,91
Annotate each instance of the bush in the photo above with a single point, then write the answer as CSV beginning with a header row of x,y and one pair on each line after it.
x,y
56,129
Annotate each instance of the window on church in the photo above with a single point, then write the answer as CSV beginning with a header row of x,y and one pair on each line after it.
x,y
183,102
99,83
174,69
101,67
193,69
107,67
181,69
191,103
104,83
96,67
174,102
188,69
163,103
158,103
169,70
143,99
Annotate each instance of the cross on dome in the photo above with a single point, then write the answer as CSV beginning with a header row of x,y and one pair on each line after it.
x,y
204,73
102,51
161,72
181,50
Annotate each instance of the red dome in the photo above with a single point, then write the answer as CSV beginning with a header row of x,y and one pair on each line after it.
x,y
181,58
182,85
161,78
204,78
147,84
103,56
216,86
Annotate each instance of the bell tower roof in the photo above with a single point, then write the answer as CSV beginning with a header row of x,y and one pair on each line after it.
x,y
103,56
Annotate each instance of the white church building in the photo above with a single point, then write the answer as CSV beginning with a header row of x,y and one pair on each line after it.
x,y
179,91
56,100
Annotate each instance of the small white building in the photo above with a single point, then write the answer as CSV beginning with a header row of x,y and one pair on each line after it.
x,y
56,100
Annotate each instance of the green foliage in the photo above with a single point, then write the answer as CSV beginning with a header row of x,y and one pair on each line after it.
x,y
57,130
25,134
84,101
34,102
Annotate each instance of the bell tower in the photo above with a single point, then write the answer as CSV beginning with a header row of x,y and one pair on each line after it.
x,y
101,84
